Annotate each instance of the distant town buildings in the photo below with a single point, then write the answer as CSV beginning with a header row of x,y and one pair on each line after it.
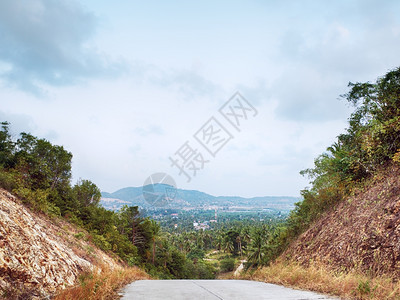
x,y
201,226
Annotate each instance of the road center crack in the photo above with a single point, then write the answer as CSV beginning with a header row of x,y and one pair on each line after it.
x,y
207,290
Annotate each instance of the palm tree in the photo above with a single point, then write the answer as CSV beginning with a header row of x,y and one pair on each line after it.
x,y
246,235
180,243
239,242
155,235
207,239
200,241
256,250
228,245
219,241
258,245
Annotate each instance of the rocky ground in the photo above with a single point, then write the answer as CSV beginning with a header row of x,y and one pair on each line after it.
x,y
362,233
39,255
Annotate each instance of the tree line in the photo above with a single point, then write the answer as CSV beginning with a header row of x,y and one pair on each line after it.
x,y
39,173
371,142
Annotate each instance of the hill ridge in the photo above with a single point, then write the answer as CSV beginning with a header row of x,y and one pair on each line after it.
x,y
196,199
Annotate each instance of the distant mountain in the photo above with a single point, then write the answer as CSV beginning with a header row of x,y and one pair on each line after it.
x,y
192,199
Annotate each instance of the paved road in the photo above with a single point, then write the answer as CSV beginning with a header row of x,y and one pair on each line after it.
x,y
212,290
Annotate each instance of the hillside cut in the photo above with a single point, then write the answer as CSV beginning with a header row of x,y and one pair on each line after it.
x,y
361,232
38,256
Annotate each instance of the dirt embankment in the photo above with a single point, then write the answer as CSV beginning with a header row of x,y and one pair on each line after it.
x,y
39,255
362,233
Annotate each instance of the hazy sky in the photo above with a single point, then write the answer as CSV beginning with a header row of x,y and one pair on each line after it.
x,y
124,84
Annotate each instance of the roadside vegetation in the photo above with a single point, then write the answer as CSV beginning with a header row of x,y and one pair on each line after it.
x,y
40,174
102,285
317,277
363,157
371,141
370,144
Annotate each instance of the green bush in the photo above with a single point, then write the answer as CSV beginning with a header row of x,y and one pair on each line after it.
x,y
364,289
101,242
205,270
72,218
7,180
133,260
196,253
79,235
227,265
37,199
53,210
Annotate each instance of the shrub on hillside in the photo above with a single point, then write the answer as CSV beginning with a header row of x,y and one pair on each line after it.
x,y
227,265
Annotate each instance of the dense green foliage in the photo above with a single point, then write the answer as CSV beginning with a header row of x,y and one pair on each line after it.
x,y
246,239
371,141
39,173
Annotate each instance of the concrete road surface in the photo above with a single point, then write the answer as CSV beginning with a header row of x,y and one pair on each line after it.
x,y
212,290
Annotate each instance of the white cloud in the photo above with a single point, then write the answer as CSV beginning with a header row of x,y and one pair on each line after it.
x,y
291,60
48,43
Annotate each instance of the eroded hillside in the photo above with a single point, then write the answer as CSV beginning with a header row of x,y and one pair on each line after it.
x,y
39,255
361,233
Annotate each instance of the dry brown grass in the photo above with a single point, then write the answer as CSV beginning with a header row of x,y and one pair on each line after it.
x,y
102,285
361,232
320,279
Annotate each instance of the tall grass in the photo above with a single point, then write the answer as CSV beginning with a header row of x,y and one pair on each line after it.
x,y
102,285
318,278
